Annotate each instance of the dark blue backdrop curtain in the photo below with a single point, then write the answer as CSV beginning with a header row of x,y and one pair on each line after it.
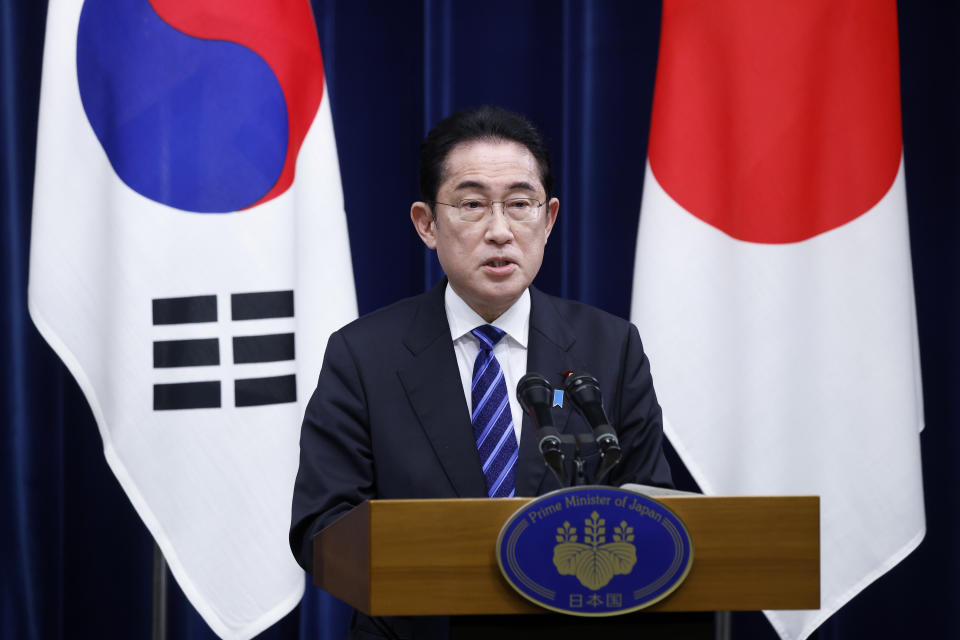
x,y
74,558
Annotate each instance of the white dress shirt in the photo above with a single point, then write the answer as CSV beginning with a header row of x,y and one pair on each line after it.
x,y
510,351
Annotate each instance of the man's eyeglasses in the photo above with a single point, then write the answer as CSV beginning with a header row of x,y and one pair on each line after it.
x,y
517,209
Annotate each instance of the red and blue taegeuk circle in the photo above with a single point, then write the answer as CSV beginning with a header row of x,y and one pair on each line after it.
x,y
201,105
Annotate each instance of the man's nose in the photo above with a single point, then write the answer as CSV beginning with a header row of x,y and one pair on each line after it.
x,y
498,224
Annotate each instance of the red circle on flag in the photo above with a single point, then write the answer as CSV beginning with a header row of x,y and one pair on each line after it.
x,y
777,121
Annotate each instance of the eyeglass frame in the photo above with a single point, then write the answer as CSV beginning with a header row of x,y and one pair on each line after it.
x,y
502,204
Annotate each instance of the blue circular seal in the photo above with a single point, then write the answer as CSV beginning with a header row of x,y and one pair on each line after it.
x,y
594,551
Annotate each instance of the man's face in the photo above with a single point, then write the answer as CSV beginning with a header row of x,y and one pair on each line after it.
x,y
489,263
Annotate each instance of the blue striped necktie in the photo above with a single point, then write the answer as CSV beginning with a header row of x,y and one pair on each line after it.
x,y
492,421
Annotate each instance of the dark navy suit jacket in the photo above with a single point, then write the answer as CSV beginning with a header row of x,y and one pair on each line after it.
x,y
389,419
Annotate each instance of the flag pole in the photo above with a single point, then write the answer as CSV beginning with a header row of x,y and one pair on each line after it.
x,y
159,626
722,625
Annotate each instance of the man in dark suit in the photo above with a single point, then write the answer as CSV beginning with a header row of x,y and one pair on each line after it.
x,y
416,401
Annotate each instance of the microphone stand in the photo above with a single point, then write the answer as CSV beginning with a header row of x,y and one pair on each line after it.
x,y
579,478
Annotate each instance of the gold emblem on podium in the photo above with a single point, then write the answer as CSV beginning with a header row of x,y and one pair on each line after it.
x,y
594,561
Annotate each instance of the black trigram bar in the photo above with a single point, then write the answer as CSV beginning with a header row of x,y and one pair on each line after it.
x,y
252,392
261,304
186,353
266,348
186,395
185,310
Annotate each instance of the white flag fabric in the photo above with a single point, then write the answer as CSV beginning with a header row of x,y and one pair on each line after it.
x,y
773,285
189,258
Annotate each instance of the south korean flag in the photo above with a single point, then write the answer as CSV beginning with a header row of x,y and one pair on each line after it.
x,y
189,259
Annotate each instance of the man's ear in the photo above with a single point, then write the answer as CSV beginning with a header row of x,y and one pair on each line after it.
x,y
424,223
553,207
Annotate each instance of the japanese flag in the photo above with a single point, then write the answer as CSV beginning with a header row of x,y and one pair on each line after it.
x,y
773,285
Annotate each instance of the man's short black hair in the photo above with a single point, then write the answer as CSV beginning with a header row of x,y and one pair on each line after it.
x,y
478,123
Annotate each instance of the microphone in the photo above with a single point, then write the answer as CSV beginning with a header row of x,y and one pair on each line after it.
x,y
584,391
535,395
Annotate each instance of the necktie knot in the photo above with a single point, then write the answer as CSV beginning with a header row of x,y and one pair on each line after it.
x,y
488,335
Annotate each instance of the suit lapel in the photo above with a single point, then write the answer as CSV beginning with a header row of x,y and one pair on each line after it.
x,y
548,353
432,383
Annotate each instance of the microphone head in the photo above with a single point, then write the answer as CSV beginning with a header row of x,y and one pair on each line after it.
x,y
533,389
582,387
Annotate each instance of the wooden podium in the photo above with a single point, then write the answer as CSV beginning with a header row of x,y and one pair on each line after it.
x,y
437,557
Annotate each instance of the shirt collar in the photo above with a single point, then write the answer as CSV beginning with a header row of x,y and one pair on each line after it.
x,y
515,321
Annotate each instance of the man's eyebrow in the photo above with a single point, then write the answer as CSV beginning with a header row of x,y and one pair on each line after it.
x,y
473,184
469,184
